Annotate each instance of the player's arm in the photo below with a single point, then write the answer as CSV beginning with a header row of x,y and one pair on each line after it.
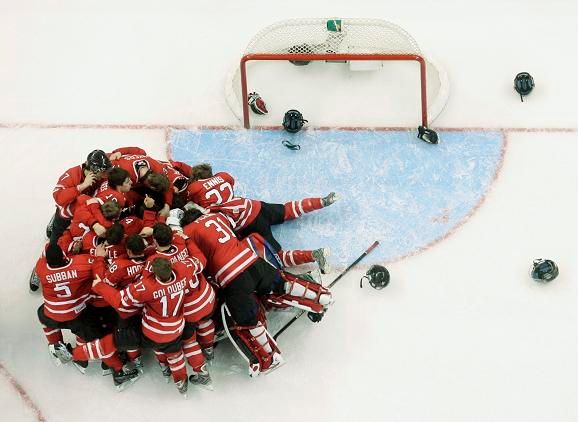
x,y
182,168
119,152
135,294
70,185
196,254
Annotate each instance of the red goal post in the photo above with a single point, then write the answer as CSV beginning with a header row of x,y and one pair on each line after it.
x,y
331,40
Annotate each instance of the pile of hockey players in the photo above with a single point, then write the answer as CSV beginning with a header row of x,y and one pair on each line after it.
x,y
146,254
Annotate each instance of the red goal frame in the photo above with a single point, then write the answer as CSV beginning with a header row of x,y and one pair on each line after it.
x,y
332,57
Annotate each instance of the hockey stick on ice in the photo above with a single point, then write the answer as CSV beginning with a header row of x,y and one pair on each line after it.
x,y
353,264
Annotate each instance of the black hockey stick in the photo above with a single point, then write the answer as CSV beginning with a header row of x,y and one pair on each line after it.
x,y
301,312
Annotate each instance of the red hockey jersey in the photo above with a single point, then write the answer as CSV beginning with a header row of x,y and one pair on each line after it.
x,y
65,289
226,255
212,191
163,317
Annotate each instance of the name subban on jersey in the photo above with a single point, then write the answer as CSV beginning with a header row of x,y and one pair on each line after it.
x,y
61,276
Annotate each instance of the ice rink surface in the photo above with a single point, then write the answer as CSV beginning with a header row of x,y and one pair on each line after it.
x,y
461,333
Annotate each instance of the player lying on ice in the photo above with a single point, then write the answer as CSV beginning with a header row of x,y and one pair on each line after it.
x,y
216,193
247,282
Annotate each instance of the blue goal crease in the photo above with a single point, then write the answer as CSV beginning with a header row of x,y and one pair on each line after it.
x,y
393,187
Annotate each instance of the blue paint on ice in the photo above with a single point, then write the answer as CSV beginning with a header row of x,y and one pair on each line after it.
x,y
393,187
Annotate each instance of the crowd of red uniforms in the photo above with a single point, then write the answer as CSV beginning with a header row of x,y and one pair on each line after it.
x,y
98,282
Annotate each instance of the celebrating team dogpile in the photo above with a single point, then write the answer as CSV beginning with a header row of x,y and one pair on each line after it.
x,y
147,254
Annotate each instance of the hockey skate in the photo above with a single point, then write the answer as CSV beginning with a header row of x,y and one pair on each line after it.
x,y
34,282
276,362
49,227
81,365
320,256
106,370
166,370
183,387
209,353
124,378
137,362
60,353
202,379
329,199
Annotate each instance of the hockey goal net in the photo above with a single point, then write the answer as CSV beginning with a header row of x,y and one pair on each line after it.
x,y
380,77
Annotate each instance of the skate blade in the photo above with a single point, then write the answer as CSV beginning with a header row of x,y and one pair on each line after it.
x,y
274,368
267,371
127,384
208,387
79,368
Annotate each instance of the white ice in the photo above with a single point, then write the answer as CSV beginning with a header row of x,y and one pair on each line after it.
x,y
461,333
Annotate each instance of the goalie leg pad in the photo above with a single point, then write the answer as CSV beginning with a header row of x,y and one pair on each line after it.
x,y
255,343
303,293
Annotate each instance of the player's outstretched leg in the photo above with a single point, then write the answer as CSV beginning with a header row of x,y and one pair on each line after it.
x,y
296,257
295,209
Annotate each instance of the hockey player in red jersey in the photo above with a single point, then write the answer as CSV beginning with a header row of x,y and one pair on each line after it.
x,y
216,193
65,285
83,179
120,273
148,176
199,335
116,186
162,293
241,274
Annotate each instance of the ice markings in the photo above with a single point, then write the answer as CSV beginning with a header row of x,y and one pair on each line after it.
x,y
394,188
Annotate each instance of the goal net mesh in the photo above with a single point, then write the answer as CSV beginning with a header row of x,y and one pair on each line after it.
x,y
369,92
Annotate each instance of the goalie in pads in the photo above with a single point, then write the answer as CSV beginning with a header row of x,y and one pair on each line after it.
x,y
243,276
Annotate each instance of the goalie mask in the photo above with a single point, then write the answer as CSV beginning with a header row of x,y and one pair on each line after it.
x,y
293,121
523,84
257,104
544,270
378,277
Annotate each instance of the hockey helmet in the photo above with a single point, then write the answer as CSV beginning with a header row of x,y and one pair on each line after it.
x,y
544,270
257,104
378,277
97,161
293,121
523,84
